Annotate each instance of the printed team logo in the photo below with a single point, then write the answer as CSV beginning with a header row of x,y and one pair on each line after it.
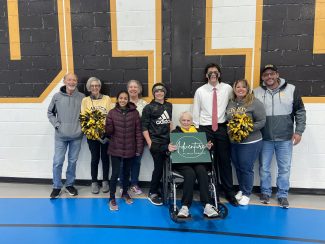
x,y
163,119
239,110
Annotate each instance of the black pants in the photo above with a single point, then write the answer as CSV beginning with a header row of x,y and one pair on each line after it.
x,y
158,152
191,172
98,150
116,166
221,156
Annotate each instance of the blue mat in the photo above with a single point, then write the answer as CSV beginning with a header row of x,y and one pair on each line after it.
x,y
89,220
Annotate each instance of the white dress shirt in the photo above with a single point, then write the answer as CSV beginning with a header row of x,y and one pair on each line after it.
x,y
202,107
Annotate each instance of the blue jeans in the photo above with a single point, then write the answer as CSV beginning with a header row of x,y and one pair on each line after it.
x,y
283,153
58,160
243,157
135,170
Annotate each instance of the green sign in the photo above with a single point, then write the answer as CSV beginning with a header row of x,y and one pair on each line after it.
x,y
191,148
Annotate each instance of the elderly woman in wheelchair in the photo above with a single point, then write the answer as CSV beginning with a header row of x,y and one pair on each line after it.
x,y
192,172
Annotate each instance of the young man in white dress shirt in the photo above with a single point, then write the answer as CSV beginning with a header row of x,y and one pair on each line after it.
x,y
214,124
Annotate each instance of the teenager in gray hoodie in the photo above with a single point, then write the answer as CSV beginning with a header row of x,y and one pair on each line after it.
x,y
245,152
63,113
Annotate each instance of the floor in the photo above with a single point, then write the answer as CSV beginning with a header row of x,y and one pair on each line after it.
x,y
27,215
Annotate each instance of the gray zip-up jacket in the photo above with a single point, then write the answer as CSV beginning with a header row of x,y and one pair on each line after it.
x,y
255,111
283,107
63,113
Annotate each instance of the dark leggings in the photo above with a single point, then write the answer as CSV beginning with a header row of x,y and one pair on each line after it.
x,y
116,166
97,151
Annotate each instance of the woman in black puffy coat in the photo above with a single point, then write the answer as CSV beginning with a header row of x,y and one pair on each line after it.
x,y
124,129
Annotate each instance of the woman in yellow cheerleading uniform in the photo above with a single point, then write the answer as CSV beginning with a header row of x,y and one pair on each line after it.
x,y
246,116
97,107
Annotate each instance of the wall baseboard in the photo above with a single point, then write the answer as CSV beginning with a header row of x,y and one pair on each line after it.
x,y
146,184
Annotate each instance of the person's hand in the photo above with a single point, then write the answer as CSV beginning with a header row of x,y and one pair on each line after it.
x,y
209,145
296,138
172,147
103,140
149,144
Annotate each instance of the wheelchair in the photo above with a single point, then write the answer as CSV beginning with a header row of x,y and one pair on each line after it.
x,y
172,180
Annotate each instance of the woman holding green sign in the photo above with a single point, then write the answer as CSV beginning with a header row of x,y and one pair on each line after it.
x,y
191,172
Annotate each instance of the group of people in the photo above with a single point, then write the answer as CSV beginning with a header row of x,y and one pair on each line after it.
x,y
275,109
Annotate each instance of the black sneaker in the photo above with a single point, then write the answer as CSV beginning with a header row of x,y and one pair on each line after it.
x,y
265,199
232,200
55,193
71,190
283,202
155,199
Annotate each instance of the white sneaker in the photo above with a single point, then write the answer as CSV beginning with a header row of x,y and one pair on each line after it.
x,y
183,212
239,195
210,211
244,201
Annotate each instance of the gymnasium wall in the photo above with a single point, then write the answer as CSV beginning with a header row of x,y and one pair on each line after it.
x,y
152,40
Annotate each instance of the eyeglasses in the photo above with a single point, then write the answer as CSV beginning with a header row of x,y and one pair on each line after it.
x,y
93,86
269,73
213,72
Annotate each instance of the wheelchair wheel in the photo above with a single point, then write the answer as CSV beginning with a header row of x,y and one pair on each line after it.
x,y
222,210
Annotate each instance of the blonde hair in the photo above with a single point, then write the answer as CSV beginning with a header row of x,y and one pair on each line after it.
x,y
249,98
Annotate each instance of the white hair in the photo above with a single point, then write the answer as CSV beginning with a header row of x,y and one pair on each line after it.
x,y
90,80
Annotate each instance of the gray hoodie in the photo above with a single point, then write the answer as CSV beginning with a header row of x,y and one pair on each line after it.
x,y
257,113
63,113
283,107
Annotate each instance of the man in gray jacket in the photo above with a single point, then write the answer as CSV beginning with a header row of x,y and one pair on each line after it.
x,y
283,106
63,113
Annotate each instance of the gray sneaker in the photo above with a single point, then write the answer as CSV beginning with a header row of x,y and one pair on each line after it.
x,y
94,188
105,187
265,199
283,202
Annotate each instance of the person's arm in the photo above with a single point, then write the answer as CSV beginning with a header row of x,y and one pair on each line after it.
x,y
109,105
147,138
52,114
83,106
171,126
259,115
138,135
109,126
196,109
299,113
145,121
